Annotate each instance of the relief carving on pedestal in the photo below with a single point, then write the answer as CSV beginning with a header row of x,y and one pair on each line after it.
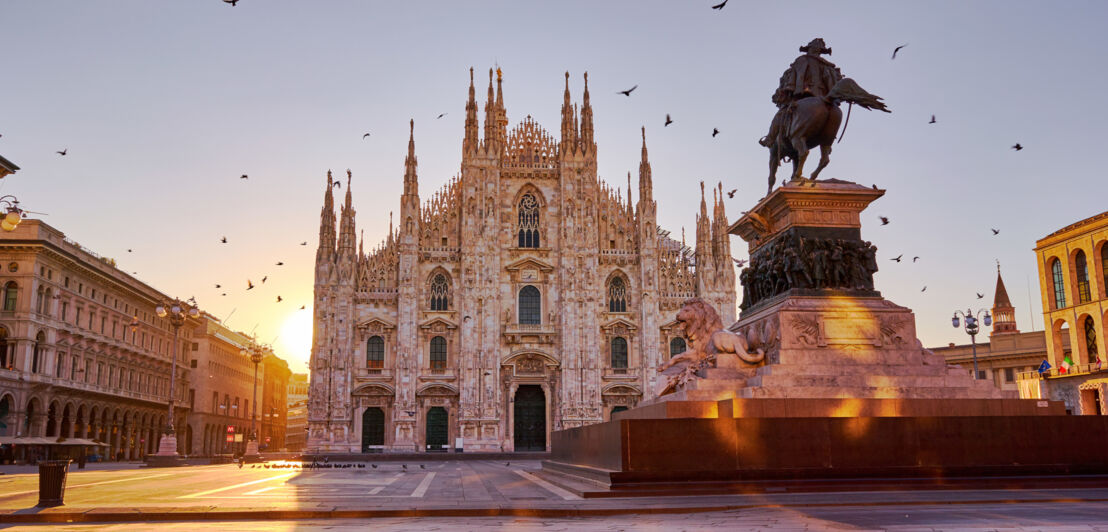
x,y
892,329
805,328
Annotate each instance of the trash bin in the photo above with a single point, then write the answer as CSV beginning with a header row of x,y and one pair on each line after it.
x,y
51,482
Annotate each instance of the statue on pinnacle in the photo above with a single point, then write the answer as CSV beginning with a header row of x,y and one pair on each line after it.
x,y
808,114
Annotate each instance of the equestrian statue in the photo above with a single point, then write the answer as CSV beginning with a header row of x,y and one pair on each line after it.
x,y
808,113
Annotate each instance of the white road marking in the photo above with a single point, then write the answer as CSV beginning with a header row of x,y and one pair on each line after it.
x,y
89,484
217,490
263,490
376,490
548,486
423,485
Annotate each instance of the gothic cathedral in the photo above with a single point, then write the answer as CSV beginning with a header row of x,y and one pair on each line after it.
x,y
525,296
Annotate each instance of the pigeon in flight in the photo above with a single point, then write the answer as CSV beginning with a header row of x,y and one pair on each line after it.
x,y
223,240
441,115
128,251
63,152
897,258
280,264
720,5
1017,147
715,131
628,91
897,49
279,299
249,284
364,136
884,220
303,243
932,119
219,286
668,120
914,259
337,184
738,262
264,278
980,296
924,289
731,194
995,231
244,176
303,306
232,2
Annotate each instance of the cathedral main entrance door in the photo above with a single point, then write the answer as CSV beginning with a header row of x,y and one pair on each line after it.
x,y
437,422
530,419
373,430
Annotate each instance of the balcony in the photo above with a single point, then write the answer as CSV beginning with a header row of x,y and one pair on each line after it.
x,y
538,333
1052,373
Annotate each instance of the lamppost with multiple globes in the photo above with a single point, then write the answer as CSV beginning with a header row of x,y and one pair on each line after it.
x,y
12,213
176,312
256,353
972,328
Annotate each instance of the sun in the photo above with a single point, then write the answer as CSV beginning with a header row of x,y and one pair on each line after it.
x,y
295,342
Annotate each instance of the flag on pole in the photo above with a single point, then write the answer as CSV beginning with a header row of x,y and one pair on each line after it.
x,y
1067,365
1044,367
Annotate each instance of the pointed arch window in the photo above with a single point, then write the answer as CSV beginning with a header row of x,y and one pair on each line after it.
x,y
438,353
528,222
619,353
11,295
440,293
676,346
375,353
1082,269
617,295
530,306
1059,284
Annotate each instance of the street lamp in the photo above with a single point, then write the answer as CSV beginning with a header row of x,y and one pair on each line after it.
x,y
176,311
256,353
12,213
971,329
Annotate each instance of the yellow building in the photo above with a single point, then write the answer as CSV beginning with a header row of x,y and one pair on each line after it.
x,y
1073,275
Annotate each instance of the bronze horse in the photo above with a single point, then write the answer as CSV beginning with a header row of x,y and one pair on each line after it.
x,y
811,122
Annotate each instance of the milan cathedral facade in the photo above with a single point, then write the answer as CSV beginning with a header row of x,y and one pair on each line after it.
x,y
524,297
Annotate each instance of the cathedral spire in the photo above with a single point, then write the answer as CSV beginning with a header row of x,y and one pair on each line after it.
x,y
646,183
346,226
501,111
630,208
586,119
569,127
411,181
327,223
490,116
470,142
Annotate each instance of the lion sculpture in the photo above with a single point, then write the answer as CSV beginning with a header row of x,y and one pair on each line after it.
x,y
707,338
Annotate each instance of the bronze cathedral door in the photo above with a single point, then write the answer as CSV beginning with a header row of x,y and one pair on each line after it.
x,y
373,430
530,419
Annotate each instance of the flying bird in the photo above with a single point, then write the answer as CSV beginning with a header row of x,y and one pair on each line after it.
x,y
232,2
223,240
467,318
924,289
337,184
63,152
884,220
995,231
897,258
219,286
731,194
914,259
980,296
128,251
897,49
932,119
249,284
715,131
280,264
279,299
223,294
720,5
738,262
264,278
244,176
1017,147
668,120
421,466
303,243
441,115
364,136
302,307
628,91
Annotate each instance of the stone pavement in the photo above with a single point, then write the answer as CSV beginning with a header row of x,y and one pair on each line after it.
x,y
1008,517
500,491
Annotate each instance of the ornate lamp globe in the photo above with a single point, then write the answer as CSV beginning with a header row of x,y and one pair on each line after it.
x,y
175,309
194,313
988,319
955,321
160,311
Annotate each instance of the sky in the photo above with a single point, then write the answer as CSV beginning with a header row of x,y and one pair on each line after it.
x,y
162,105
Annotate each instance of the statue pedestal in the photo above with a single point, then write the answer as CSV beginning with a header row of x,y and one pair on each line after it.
x,y
251,455
167,453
